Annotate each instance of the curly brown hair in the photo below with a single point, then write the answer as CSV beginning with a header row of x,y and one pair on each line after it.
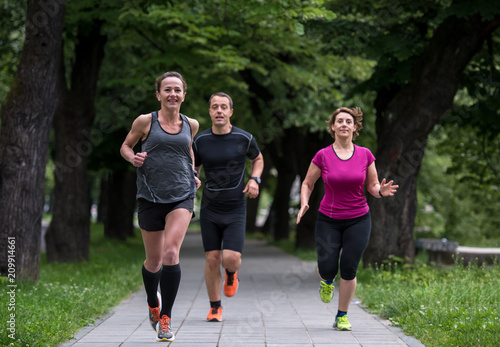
x,y
356,114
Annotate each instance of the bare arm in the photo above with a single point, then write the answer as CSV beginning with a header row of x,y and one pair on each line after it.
x,y
252,187
195,126
313,173
140,129
375,188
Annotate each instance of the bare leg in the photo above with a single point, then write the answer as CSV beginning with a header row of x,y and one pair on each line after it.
x,y
153,241
176,224
346,293
231,260
213,278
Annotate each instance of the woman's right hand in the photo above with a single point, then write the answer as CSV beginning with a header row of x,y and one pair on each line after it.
x,y
302,211
139,158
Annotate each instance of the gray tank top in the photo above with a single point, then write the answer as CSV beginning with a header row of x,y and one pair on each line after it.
x,y
167,173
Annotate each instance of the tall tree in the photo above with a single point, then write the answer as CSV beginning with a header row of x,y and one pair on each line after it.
x,y
263,41
407,113
68,236
27,114
11,44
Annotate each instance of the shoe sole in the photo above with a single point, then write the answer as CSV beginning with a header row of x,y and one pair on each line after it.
x,y
166,340
340,329
214,320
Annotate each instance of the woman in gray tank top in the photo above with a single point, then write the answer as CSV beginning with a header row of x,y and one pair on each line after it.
x,y
166,185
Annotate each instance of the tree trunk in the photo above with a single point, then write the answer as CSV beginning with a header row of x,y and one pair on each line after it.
x,y
305,230
120,204
305,235
404,120
287,167
68,236
27,113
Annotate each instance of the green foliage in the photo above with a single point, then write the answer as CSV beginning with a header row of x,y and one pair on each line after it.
x,y
436,196
312,57
485,8
463,193
11,41
440,307
458,194
71,296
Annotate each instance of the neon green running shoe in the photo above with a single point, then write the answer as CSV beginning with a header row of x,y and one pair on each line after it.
x,y
342,323
326,291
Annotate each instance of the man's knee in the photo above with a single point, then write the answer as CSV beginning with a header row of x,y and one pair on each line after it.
x,y
213,258
231,259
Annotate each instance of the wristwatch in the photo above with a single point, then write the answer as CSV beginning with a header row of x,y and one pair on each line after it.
x,y
256,179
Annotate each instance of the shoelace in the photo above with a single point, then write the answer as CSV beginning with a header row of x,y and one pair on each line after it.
x,y
343,319
155,312
230,280
214,310
327,289
164,323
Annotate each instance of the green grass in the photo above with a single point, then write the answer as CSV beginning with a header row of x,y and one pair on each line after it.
x,y
454,306
70,296
457,306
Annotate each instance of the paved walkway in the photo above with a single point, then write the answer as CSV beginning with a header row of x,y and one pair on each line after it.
x,y
277,304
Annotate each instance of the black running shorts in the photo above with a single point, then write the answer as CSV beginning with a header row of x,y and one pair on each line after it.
x,y
152,215
223,230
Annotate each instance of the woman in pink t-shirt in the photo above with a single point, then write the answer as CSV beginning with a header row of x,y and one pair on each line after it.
x,y
344,223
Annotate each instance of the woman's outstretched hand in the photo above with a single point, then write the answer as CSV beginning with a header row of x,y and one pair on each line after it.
x,y
388,189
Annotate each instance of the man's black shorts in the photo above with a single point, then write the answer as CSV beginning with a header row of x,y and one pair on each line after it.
x,y
223,230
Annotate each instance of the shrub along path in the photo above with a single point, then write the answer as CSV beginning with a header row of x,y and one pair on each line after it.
x,y
277,304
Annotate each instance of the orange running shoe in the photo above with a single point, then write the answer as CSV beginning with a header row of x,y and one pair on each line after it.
x,y
164,330
231,284
154,313
215,314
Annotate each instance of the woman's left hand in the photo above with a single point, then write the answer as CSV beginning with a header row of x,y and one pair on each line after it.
x,y
388,189
198,182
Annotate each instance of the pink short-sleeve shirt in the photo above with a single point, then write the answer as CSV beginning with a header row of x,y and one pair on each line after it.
x,y
344,182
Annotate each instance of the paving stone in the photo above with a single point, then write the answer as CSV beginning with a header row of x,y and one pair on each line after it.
x,y
277,305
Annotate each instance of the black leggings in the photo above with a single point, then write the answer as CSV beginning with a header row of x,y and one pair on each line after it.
x,y
341,238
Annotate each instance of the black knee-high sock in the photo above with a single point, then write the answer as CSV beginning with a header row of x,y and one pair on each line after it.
x,y
169,284
151,281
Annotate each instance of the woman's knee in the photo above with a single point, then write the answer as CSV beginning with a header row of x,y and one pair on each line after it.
x,y
170,256
153,265
327,273
348,273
